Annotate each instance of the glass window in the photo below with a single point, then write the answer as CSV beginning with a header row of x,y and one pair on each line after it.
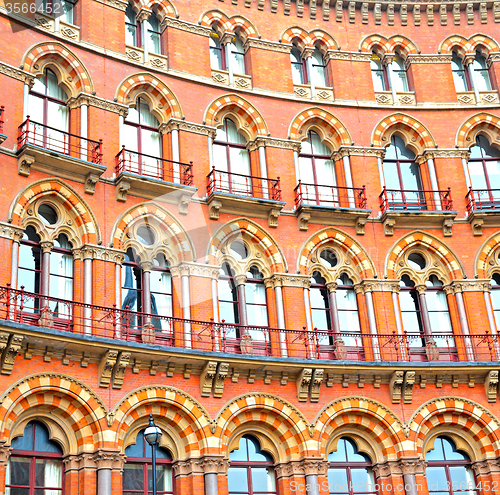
x,y
131,289
480,73
411,314
61,277
237,55
347,308
398,74
251,470
379,75
495,298
320,309
153,34
232,160
132,27
35,464
318,69
448,470
439,314
137,472
217,59
161,292
298,68
228,296
350,471
460,76
317,172
256,305
30,262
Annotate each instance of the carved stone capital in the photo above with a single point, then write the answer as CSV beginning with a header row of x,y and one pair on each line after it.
x,y
109,459
412,466
288,280
331,286
5,451
486,467
16,73
182,125
289,469
214,464
446,153
95,101
146,265
421,288
240,279
476,285
77,462
267,45
196,270
386,469
427,59
8,231
315,466
143,15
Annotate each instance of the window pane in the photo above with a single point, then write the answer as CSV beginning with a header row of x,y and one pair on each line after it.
x,y
133,477
362,480
48,473
493,171
263,479
237,480
18,472
436,478
476,172
337,480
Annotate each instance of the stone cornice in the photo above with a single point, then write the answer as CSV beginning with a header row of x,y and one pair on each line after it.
x,y
267,45
376,285
95,101
358,151
99,253
289,280
116,4
347,56
446,153
9,231
274,143
185,26
476,285
15,73
195,270
486,467
182,125
427,59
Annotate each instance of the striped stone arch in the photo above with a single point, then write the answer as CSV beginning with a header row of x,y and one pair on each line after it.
x,y
71,73
324,39
414,133
464,415
468,45
72,404
178,247
487,257
163,8
453,42
187,420
224,24
80,224
324,122
368,416
162,101
361,263
482,40
388,45
285,423
271,256
295,34
450,262
249,120
372,42
483,122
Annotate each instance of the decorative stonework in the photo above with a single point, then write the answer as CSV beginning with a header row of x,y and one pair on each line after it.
x,y
15,73
182,125
185,26
470,285
303,383
116,4
396,386
207,378
95,101
288,280
491,385
267,45
8,231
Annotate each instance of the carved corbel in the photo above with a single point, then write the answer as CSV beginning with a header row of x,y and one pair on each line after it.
x,y
272,218
447,226
304,221
317,378
106,367
408,387
360,225
396,386
220,376
5,451
182,205
303,383
122,188
377,13
90,181
456,14
24,165
207,378
119,369
491,385
10,352
389,226
477,226
214,208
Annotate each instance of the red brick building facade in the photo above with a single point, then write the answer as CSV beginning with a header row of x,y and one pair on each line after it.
x,y
273,225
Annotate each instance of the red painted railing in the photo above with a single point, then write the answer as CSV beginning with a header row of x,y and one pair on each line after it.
x,y
482,199
2,110
406,200
243,185
333,196
154,167
125,325
52,139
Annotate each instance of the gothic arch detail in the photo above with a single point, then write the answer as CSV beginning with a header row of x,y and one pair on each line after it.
x,y
309,39
481,122
388,45
467,45
224,24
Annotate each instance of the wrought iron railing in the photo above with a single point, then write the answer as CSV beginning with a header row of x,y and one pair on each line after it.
x,y
125,325
333,196
2,110
243,185
63,142
154,167
482,199
415,200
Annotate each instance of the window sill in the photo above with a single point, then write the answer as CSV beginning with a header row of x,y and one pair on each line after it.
x,y
303,91
67,30
60,165
220,202
414,219
332,215
240,81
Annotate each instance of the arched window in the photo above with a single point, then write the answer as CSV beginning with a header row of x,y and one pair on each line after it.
x,y
448,471
379,74
137,472
460,75
237,52
411,314
484,173
317,172
29,273
398,74
233,173
299,72
143,142
251,470
495,297
61,276
60,8
153,34
347,308
49,115
320,308
439,313
255,296
350,472
35,463
318,75
217,56
161,292
132,289
480,73
228,296
132,28
402,177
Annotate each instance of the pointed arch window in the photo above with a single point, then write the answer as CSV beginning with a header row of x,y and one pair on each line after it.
x,y
138,472
251,471
132,27
399,78
35,465
143,142
232,159
153,34
48,114
379,74
448,470
237,53
480,73
460,75
317,172
347,308
217,55
318,75
299,70
350,472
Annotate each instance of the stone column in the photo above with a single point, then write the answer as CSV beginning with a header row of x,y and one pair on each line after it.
x,y
84,125
280,311
81,470
487,471
5,451
307,56
118,290
386,62
348,180
459,298
142,18
334,314
410,468
467,61
107,462
366,287
213,467
47,247
16,238
312,469
87,256
399,324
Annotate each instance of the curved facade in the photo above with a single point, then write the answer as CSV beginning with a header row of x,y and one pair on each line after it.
x,y
272,225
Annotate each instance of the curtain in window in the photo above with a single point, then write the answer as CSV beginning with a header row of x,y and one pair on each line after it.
x,y
459,76
318,68
153,34
52,475
237,56
297,66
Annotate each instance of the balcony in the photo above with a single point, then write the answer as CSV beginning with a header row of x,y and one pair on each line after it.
x,y
417,209
110,325
3,136
483,207
244,194
59,153
151,177
331,205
